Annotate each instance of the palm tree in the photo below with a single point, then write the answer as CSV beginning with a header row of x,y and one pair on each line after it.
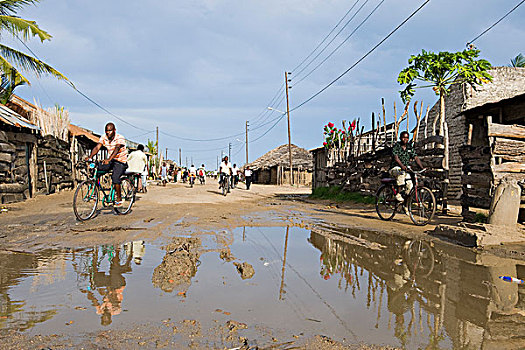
x,y
518,61
13,61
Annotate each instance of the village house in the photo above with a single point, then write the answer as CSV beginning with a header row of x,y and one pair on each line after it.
x,y
466,112
274,166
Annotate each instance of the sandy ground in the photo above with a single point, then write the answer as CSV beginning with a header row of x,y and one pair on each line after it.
x,y
164,212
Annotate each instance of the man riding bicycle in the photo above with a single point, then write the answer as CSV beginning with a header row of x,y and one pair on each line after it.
x,y
402,154
225,170
117,160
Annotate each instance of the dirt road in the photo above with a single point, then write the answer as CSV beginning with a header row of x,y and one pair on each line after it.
x,y
213,275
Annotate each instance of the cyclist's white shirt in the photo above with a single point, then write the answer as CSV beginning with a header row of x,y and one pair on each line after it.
x,y
225,168
192,170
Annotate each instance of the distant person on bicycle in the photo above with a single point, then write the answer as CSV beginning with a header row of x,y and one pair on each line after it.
x,y
225,170
137,163
402,154
117,160
202,173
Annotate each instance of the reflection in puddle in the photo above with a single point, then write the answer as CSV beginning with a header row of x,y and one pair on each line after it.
x,y
347,284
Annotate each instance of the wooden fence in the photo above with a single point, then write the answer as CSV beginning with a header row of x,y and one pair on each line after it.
x,y
484,167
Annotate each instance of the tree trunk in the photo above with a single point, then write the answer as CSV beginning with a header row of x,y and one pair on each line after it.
x,y
441,111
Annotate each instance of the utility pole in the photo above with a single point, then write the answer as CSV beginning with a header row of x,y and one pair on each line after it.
x,y
289,134
246,142
230,151
192,161
180,157
186,161
166,153
217,162
158,151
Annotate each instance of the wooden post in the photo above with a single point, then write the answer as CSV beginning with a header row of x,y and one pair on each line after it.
x,y
469,136
33,169
395,122
446,168
384,118
373,132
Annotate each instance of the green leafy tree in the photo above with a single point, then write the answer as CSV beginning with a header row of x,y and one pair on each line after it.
x,y
441,70
518,61
12,61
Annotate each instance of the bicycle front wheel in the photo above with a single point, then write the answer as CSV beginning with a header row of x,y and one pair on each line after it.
x,y
85,200
128,197
225,186
386,203
421,206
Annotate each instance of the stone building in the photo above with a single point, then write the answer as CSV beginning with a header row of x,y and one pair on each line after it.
x,y
466,110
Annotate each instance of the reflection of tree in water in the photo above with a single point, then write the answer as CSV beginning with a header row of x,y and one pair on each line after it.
x,y
421,283
179,264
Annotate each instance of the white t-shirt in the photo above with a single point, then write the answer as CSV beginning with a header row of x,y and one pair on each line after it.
x,y
225,167
247,172
137,161
192,170
236,171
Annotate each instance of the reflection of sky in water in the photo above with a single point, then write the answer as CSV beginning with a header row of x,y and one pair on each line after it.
x,y
390,293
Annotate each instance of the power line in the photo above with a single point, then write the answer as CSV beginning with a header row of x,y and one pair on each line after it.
x,y
331,41
326,37
341,44
362,58
492,26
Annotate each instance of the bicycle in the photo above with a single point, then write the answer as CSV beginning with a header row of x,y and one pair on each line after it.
x,y
420,201
224,183
86,197
192,180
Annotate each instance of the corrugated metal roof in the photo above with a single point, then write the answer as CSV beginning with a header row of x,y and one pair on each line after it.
x,y
76,130
12,118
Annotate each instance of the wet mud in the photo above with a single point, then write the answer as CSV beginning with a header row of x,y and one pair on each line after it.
x,y
270,274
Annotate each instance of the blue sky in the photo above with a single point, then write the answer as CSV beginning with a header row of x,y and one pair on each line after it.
x,y
200,68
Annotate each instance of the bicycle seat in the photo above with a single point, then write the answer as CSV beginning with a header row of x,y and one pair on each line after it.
x,y
387,180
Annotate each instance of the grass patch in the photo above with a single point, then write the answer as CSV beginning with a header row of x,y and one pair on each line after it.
x,y
336,193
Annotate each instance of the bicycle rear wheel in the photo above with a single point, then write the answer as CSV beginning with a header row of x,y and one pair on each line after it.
x,y
85,200
386,203
421,206
128,197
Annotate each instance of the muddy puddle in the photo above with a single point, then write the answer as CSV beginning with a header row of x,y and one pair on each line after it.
x,y
278,282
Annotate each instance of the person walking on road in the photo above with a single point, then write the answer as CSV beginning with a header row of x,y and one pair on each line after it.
x,y
248,176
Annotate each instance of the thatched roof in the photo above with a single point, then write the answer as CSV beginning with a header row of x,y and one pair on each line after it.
x,y
507,82
301,158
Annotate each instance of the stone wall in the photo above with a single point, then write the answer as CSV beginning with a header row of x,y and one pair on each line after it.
x,y
14,170
56,156
507,83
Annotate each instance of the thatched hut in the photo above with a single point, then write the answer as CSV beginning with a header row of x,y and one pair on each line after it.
x,y
274,166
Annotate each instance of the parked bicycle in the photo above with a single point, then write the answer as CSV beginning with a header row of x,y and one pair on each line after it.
x,y
420,201
87,195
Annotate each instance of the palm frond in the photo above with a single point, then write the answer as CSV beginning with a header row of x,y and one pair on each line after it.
x,y
17,26
7,68
12,6
30,64
518,61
